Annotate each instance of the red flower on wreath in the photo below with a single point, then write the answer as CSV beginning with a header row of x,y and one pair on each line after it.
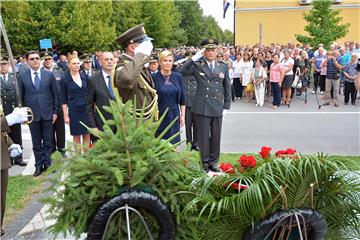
x,y
289,151
247,161
227,168
235,186
265,152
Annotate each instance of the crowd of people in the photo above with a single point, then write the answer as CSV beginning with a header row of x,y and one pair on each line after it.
x,y
193,86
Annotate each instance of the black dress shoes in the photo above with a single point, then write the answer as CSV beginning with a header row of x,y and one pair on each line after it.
x,y
2,232
20,162
214,168
194,148
38,171
44,168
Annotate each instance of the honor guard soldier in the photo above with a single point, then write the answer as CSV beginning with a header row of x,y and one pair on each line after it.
x,y
9,101
8,149
132,78
213,95
59,124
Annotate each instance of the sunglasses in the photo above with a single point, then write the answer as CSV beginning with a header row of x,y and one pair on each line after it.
x,y
34,58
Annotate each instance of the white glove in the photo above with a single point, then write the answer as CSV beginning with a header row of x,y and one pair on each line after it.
x,y
15,150
18,115
145,47
198,55
224,112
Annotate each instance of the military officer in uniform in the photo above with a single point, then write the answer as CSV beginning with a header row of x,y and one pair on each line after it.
x,y
213,95
9,101
132,78
59,125
190,91
153,64
86,66
8,149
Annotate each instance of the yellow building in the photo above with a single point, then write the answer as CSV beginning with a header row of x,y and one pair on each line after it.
x,y
282,19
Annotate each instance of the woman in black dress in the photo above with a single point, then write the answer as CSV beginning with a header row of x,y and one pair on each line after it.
x,y
74,102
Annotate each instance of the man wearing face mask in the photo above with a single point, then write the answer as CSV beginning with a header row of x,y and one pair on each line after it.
x,y
132,78
212,98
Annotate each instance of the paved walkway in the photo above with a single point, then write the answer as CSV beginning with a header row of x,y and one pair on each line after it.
x,y
242,131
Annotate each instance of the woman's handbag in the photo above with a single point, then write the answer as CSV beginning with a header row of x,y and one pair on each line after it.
x,y
249,87
296,83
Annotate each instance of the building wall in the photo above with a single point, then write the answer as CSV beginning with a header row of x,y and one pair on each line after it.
x,y
282,19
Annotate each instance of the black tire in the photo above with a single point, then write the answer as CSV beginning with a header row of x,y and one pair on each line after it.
x,y
139,200
315,220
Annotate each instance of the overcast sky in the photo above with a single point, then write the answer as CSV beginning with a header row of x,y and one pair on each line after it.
x,y
215,9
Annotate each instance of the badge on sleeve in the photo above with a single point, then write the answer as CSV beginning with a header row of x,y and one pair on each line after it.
x,y
221,75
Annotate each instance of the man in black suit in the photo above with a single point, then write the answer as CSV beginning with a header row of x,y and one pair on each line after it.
x,y
59,124
213,95
9,101
39,92
101,91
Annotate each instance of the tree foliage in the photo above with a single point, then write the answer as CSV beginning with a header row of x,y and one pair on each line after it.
x,y
94,25
324,25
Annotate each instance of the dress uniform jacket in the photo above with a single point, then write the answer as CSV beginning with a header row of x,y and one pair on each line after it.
x,y
5,143
213,93
189,90
8,94
133,79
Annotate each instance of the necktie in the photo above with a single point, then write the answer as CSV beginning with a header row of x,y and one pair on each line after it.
x,y
4,78
88,73
211,68
109,87
37,81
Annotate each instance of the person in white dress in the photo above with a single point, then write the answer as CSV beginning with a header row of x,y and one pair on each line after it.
x,y
245,74
259,77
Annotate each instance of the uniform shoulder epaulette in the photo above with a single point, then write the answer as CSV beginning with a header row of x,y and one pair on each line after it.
x,y
223,62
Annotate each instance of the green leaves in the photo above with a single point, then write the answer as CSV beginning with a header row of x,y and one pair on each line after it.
x,y
324,25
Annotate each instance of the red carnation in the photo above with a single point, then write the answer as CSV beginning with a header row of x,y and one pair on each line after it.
x,y
227,168
235,186
247,161
265,152
280,153
290,151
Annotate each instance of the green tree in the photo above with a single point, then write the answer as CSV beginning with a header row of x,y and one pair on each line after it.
x,y
228,37
18,24
324,25
211,28
84,26
191,20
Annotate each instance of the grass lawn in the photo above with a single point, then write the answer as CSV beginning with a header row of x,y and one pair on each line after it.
x,y
21,190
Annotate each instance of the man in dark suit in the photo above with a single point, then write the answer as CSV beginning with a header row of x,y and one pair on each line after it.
x,y
39,92
213,95
101,91
10,101
59,124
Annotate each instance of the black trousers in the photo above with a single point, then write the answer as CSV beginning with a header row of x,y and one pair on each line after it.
x,y
58,140
15,134
190,128
350,90
41,136
209,136
238,87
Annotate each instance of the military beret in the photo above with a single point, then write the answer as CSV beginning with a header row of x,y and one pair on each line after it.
x,y
46,55
153,58
4,59
136,34
86,58
209,43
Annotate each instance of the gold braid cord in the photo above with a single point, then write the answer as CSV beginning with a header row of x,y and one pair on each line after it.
x,y
150,109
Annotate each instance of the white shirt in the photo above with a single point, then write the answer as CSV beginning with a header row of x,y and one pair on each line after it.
x,y
33,75
6,76
212,64
105,75
237,68
286,63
